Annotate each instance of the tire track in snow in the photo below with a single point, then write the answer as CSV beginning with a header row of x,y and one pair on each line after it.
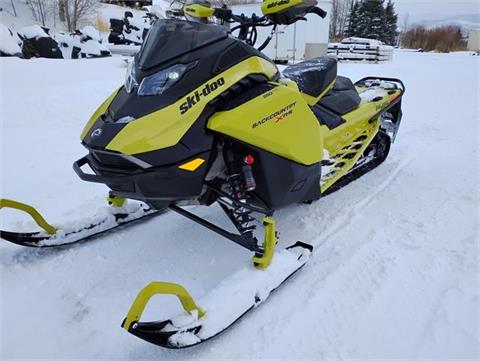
x,y
344,278
352,214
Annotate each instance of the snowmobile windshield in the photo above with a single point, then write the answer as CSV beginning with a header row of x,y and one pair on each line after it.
x,y
170,38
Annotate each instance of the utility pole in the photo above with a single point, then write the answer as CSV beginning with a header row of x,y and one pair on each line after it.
x,y
54,13
294,41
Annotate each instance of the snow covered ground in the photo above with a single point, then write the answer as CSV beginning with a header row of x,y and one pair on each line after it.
x,y
395,273
25,17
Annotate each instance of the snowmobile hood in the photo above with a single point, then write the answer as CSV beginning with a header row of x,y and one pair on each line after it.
x,y
170,38
165,127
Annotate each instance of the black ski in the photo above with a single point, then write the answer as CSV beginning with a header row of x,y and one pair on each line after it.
x,y
185,331
68,237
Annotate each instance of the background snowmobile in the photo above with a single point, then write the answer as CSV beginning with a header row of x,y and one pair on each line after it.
x,y
130,30
206,118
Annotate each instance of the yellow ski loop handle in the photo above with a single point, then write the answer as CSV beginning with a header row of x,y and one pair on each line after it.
x,y
37,217
269,244
163,288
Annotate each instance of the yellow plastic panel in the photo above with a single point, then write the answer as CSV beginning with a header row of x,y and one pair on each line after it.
x,y
192,165
278,121
199,11
274,6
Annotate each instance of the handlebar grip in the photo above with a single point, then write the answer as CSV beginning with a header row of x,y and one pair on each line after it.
x,y
320,12
225,14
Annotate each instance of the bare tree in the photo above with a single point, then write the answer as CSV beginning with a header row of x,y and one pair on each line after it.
x,y
405,22
339,17
405,28
14,10
38,8
62,4
76,10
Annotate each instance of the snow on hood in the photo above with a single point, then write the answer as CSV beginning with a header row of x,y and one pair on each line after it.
x,y
9,41
92,32
33,31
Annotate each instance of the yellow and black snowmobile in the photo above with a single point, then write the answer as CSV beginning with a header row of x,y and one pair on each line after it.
x,y
203,118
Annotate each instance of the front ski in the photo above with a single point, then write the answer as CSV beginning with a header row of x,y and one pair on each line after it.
x,y
104,220
217,310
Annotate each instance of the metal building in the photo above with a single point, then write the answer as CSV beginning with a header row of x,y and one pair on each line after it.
x,y
474,40
302,40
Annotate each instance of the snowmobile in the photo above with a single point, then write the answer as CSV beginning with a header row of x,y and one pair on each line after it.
x,y
206,118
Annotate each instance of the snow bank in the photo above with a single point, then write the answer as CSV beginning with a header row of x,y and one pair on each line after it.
x,y
10,44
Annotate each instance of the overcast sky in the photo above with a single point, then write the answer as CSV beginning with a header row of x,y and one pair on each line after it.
x,y
419,10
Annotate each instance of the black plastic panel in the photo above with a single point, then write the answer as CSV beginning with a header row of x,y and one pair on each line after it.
x,y
281,182
170,38
327,117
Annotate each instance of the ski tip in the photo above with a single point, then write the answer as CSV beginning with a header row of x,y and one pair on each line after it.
x,y
303,245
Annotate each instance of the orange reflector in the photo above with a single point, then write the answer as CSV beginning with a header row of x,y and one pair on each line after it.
x,y
192,165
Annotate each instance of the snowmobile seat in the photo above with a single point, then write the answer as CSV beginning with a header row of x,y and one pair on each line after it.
x,y
313,76
343,97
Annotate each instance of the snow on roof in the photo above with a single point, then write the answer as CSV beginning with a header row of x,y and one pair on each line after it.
x,y
9,42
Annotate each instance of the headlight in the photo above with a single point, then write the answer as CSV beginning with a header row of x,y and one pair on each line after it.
x,y
157,83
130,81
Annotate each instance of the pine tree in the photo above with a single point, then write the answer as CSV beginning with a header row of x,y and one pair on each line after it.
x,y
353,19
391,19
370,20
361,22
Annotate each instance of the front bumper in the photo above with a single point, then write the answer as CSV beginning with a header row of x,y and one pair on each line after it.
x,y
164,183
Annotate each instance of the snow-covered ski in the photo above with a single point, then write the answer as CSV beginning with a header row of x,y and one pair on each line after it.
x,y
103,220
220,308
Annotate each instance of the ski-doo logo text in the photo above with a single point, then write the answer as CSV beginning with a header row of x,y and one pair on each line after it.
x,y
279,115
193,99
278,3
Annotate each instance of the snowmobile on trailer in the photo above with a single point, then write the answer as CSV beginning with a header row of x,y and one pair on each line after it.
x,y
204,118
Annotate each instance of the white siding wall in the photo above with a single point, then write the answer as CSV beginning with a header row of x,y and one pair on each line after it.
x,y
474,40
303,35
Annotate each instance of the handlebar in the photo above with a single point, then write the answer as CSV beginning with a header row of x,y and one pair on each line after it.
x,y
248,24
320,12
228,15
